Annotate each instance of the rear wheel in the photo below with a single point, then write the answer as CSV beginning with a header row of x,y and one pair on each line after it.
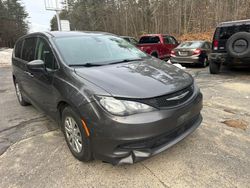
x,y
19,95
75,135
214,67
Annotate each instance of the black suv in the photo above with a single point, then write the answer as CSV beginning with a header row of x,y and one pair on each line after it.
x,y
231,45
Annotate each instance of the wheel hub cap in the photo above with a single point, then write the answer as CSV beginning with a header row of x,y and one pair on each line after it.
x,y
240,45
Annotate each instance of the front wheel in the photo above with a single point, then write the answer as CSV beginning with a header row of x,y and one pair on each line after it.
x,y
214,67
19,95
77,139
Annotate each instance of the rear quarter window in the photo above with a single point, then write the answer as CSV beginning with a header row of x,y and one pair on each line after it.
x,y
127,39
206,45
169,40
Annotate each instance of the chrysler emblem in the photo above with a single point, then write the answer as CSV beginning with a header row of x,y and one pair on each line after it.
x,y
178,97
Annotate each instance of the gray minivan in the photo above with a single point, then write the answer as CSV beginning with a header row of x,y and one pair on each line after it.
x,y
112,101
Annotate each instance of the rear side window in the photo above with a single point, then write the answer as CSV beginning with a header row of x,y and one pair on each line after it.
x,y
29,46
226,32
44,52
18,49
149,39
169,40
133,41
127,39
206,45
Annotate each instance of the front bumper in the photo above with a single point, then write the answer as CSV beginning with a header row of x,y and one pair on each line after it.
x,y
126,140
185,60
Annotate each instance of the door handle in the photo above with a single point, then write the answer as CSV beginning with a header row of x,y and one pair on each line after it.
x,y
29,74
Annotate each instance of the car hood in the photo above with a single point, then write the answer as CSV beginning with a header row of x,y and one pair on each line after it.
x,y
137,79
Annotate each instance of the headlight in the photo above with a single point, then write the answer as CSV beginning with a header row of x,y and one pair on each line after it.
x,y
123,107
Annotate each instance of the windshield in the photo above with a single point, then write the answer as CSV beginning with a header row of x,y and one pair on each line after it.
x,y
96,49
190,45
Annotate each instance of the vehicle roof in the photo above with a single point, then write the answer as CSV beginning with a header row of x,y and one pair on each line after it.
x,y
232,23
195,41
126,37
70,33
155,35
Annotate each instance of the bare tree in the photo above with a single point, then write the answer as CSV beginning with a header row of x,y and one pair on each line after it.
x,y
135,17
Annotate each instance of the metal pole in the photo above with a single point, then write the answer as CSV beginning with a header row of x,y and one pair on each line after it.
x,y
67,5
50,6
58,17
58,20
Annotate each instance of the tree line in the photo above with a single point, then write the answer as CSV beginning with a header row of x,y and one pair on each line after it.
x,y
136,17
13,22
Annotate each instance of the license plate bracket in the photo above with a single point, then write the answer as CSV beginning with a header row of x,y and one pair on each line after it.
x,y
183,53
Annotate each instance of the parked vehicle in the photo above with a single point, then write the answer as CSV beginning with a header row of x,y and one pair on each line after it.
x,y
112,101
192,52
231,45
132,40
158,45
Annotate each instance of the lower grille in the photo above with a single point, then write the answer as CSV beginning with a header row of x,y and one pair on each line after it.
x,y
160,140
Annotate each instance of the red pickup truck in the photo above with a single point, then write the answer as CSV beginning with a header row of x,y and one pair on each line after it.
x,y
157,45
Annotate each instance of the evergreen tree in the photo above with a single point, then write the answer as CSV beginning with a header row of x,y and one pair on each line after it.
x,y
13,22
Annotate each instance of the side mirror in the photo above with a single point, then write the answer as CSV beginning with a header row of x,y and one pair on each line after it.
x,y
36,65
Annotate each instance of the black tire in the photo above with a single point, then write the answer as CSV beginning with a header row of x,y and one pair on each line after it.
x,y
238,45
85,153
22,101
214,67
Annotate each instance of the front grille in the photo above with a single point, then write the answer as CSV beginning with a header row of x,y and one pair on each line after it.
x,y
169,100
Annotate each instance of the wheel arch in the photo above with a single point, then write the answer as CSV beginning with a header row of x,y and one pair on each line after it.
x,y
156,53
61,105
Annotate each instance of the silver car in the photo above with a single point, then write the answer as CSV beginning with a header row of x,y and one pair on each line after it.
x,y
191,52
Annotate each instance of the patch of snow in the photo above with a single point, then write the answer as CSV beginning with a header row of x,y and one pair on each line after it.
x,y
179,66
5,57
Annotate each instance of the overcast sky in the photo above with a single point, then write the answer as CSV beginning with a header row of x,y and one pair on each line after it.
x,y
39,18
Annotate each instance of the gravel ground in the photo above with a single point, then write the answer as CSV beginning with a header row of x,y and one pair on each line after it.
x,y
33,152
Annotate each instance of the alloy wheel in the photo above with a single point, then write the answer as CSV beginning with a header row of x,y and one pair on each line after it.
x,y
73,134
18,92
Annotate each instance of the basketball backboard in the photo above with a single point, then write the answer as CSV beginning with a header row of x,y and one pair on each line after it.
x,y
54,5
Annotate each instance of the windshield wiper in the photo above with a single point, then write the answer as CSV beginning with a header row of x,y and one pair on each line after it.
x,y
86,65
125,61
111,63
